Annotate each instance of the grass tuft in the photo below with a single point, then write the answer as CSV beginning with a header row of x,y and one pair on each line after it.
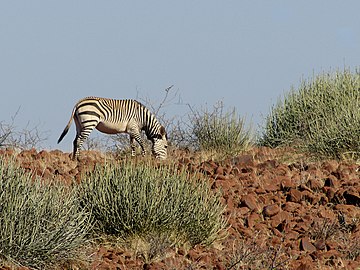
x,y
140,200
41,225
219,131
322,117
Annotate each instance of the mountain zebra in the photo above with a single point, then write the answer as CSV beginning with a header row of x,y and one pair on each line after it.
x,y
112,116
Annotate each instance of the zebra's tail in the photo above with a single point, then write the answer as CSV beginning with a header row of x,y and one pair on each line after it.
x,y
67,127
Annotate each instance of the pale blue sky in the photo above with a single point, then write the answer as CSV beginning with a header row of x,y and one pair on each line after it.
x,y
245,53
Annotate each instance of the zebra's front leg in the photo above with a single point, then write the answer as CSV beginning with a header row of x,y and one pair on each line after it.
x,y
133,146
140,141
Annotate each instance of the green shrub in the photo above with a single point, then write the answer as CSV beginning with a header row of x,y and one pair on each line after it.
x,y
141,200
41,225
322,117
219,131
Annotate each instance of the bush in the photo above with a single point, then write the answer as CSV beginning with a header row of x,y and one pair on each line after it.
x,y
322,117
41,225
219,131
140,200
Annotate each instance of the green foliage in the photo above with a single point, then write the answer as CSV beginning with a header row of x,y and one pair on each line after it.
x,y
41,225
219,131
129,200
322,117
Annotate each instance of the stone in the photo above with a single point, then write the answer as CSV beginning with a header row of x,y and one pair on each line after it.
x,y
250,201
253,219
286,183
306,245
294,195
279,218
271,210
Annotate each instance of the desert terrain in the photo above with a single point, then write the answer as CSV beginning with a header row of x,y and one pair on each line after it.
x,y
283,212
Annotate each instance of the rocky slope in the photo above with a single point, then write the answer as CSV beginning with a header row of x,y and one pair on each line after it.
x,y
282,214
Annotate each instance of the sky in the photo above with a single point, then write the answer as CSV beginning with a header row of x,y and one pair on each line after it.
x,y
246,54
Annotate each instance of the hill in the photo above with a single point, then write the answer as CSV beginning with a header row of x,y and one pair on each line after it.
x,y
283,212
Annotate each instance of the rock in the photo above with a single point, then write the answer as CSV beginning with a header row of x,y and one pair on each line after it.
x,y
271,187
286,183
271,210
320,244
244,160
306,245
253,219
279,218
315,184
294,195
291,207
330,166
250,201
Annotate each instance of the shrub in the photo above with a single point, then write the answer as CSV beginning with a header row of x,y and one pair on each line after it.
x,y
140,200
219,131
41,225
322,117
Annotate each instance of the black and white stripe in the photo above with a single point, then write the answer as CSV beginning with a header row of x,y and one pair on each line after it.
x,y
112,116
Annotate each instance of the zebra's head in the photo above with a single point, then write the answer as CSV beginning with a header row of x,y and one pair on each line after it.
x,y
159,147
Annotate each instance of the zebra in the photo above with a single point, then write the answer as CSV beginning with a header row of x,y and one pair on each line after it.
x,y
113,116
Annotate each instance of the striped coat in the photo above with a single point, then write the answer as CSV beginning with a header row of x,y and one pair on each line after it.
x,y
113,116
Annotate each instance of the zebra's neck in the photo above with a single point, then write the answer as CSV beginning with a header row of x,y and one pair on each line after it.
x,y
152,129
150,124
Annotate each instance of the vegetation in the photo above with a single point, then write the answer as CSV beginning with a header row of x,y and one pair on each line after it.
x,y
130,200
322,117
218,131
40,224
26,138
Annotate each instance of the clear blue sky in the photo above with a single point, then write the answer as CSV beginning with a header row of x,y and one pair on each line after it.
x,y
245,53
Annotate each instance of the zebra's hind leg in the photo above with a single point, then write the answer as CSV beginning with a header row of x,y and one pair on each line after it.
x,y
76,147
78,142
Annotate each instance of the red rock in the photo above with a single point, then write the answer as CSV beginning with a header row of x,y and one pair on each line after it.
x,y
250,201
244,160
294,195
306,245
271,210
330,166
261,227
329,192
271,187
260,190
286,183
326,214
320,244
315,184
243,210
292,235
279,218
291,207
253,219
